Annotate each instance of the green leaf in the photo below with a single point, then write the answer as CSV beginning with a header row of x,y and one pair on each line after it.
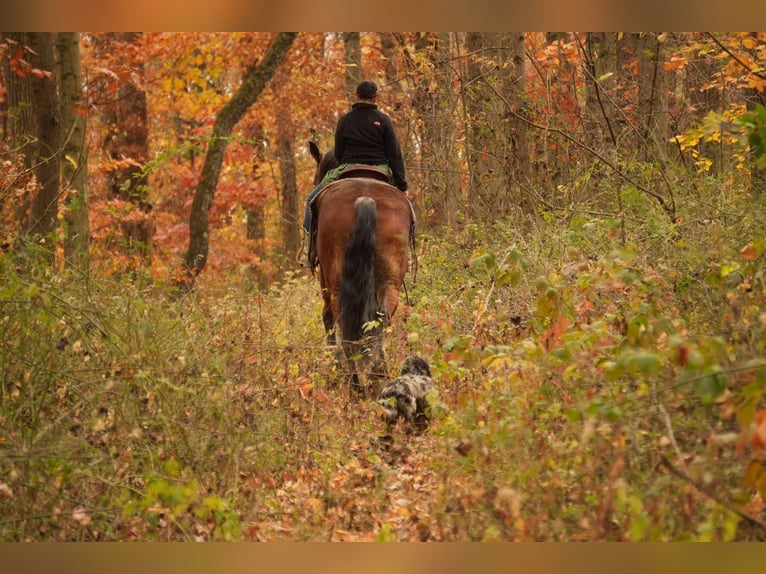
x,y
481,257
710,387
647,363
562,353
639,527
516,257
386,534
573,415
612,413
513,277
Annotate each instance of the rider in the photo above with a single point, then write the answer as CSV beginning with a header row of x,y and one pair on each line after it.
x,y
364,135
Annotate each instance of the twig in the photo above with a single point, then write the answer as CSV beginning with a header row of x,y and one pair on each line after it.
x,y
690,380
590,72
669,209
712,495
669,427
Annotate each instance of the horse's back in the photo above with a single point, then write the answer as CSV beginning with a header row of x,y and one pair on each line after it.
x,y
336,214
335,204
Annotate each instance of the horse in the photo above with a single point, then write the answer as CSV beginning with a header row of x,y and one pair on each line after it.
x,y
363,231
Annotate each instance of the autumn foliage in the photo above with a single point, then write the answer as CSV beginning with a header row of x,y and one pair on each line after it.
x,y
589,295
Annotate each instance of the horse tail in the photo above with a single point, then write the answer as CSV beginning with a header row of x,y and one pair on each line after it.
x,y
358,303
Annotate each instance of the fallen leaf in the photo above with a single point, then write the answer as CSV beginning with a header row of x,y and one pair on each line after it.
x,y
81,516
6,491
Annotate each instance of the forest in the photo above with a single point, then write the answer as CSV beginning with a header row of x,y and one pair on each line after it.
x,y
587,286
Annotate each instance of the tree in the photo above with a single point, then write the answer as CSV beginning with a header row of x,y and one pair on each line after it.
x,y
35,126
428,62
256,228
700,73
353,51
652,100
74,168
753,98
600,61
289,182
499,153
253,83
125,114
725,85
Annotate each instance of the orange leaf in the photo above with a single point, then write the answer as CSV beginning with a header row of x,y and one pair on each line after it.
x,y
683,355
306,388
749,253
553,335
675,63
759,436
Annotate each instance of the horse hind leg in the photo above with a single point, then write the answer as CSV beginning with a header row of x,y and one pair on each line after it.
x,y
379,369
366,364
329,323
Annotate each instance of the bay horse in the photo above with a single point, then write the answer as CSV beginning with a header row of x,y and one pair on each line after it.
x,y
363,230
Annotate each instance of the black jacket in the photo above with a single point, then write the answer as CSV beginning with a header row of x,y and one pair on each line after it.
x,y
366,135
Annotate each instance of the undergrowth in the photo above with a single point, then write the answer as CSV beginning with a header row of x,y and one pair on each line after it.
x,y
598,379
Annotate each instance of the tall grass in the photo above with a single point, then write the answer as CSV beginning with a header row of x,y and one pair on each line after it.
x,y
593,385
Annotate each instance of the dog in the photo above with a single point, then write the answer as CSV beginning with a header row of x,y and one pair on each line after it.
x,y
405,396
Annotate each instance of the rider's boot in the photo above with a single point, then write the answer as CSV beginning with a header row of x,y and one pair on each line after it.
x,y
303,252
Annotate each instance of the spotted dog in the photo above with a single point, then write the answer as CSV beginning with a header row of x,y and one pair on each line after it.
x,y
405,396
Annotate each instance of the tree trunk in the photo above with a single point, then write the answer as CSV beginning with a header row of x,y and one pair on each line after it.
x,y
652,101
754,98
21,126
353,47
514,85
551,37
627,91
499,153
287,173
256,224
390,50
699,73
35,129
600,113
127,140
74,169
434,105
253,83
478,126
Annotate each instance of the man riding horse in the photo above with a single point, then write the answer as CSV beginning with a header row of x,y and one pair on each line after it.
x,y
364,136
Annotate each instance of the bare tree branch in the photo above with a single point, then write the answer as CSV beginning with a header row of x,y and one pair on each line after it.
x,y
712,495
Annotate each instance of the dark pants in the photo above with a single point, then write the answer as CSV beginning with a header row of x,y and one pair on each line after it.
x,y
307,213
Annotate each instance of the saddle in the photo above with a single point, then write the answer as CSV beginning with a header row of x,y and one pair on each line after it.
x,y
367,171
